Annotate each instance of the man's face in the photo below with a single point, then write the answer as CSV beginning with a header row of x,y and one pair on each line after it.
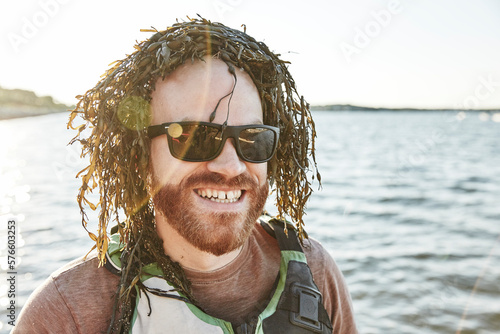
x,y
213,204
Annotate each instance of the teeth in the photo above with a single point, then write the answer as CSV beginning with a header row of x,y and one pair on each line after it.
x,y
220,196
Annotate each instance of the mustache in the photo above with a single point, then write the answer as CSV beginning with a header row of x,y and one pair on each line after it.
x,y
243,181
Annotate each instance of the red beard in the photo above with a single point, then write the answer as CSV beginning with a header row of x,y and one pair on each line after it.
x,y
215,233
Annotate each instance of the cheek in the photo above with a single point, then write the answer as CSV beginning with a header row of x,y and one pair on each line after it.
x,y
259,171
166,168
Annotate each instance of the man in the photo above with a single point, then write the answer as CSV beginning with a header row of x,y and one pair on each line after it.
x,y
187,135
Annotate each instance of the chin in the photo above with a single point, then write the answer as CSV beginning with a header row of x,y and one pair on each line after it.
x,y
216,232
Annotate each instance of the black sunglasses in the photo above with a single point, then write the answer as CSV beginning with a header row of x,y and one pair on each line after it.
x,y
202,141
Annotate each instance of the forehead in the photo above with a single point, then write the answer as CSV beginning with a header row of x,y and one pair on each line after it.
x,y
192,91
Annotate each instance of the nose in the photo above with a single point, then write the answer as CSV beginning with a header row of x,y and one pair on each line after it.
x,y
227,162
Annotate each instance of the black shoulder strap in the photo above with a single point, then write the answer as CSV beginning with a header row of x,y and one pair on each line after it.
x,y
276,228
300,308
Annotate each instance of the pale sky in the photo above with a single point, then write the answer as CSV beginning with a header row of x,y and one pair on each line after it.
x,y
381,53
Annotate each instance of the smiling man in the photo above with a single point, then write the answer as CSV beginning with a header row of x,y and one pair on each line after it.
x,y
205,210
189,134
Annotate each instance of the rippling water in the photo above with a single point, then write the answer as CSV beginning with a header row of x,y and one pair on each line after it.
x,y
409,209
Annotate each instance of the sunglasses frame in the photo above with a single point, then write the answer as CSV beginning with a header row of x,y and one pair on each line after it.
x,y
228,131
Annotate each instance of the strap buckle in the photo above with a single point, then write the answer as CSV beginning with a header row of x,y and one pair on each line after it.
x,y
309,302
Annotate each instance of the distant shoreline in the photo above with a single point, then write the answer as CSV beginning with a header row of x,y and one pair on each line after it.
x,y
21,112
348,107
16,103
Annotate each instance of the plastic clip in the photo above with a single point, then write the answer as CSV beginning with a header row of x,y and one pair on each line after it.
x,y
309,302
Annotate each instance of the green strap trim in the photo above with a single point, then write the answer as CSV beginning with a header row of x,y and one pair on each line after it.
x,y
286,257
134,315
115,249
151,270
226,326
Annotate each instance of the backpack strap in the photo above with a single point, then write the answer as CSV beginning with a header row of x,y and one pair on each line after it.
x,y
276,228
300,307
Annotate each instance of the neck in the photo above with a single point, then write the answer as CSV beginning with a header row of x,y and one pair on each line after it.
x,y
182,251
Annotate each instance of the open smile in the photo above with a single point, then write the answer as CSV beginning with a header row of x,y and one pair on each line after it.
x,y
220,196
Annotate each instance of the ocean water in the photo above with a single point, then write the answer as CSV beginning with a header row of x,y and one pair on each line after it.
x,y
409,208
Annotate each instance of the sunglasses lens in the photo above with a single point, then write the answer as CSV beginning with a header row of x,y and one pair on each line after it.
x,y
196,142
257,144
202,142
